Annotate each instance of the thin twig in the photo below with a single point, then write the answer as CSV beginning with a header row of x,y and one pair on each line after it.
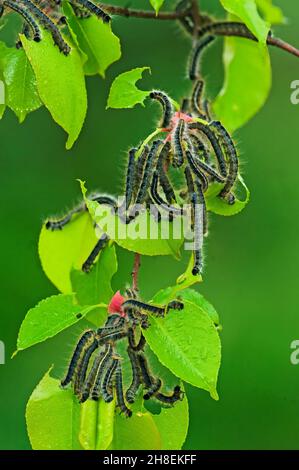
x,y
130,12
271,40
195,16
135,271
285,46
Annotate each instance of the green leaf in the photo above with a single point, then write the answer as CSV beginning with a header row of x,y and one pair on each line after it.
x,y
169,380
144,235
246,10
3,51
48,318
95,286
62,251
21,87
192,296
88,425
52,417
96,425
96,40
247,82
156,4
196,360
172,424
60,83
219,206
56,421
271,13
137,433
124,93
105,425
198,299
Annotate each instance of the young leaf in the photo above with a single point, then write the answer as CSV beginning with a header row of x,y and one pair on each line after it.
x,y
52,417
124,93
137,433
246,10
172,424
219,206
186,279
188,344
48,318
21,89
271,13
96,40
156,4
247,82
144,235
62,251
60,83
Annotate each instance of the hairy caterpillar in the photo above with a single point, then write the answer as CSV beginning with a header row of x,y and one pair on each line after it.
x,y
166,105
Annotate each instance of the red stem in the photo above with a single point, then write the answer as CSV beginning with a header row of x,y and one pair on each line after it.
x,y
135,272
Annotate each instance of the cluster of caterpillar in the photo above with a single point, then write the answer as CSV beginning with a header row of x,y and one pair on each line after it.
x,y
203,150
95,369
195,143
192,142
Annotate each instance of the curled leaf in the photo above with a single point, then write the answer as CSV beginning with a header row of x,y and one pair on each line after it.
x,y
219,206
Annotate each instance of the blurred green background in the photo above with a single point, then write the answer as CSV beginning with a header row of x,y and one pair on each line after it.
x,y
252,259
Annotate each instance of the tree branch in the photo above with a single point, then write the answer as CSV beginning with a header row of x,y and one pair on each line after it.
x,y
151,15
285,46
195,16
220,29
